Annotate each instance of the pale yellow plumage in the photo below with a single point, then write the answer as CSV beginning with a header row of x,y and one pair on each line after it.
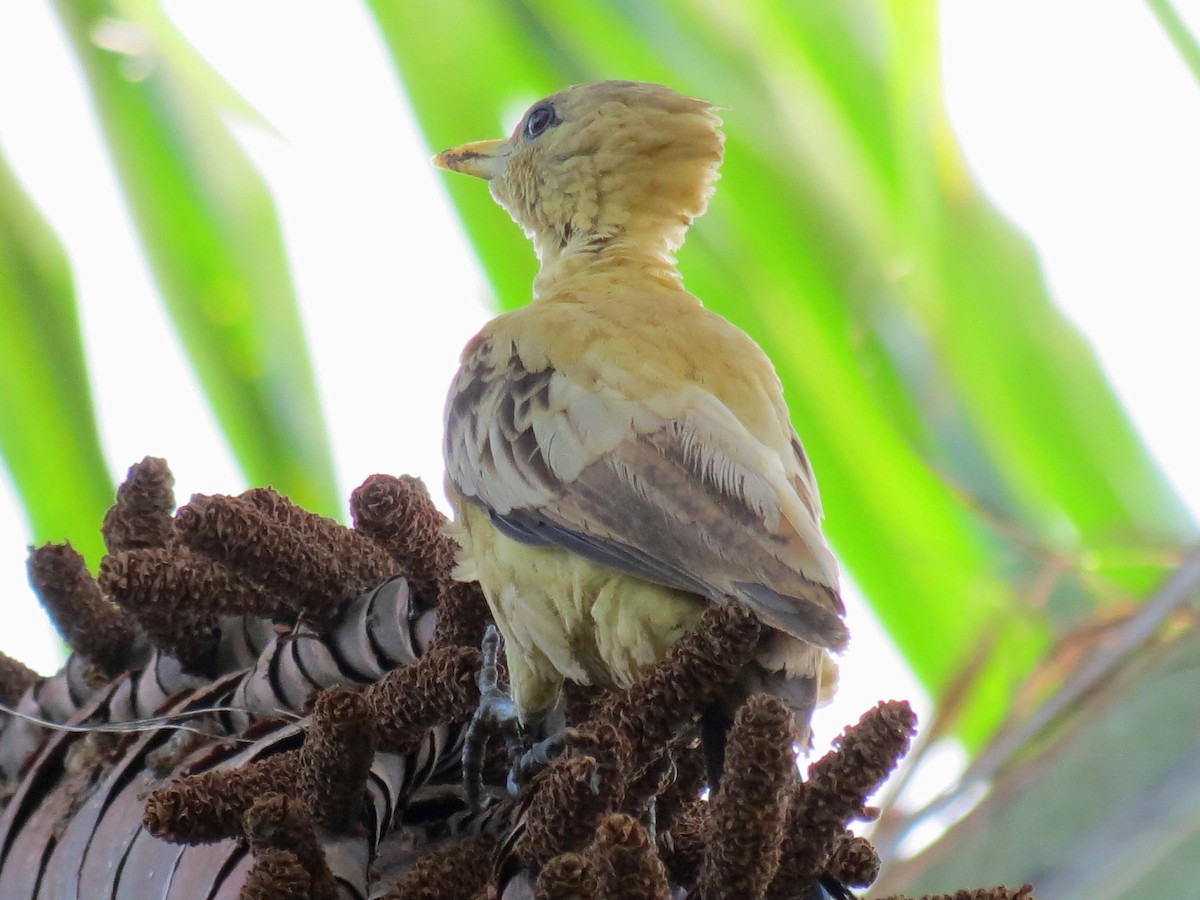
x,y
618,456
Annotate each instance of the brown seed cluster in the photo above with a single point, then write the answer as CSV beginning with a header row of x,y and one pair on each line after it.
x,y
15,679
311,564
619,814
209,806
96,629
280,832
178,597
141,517
747,812
854,861
339,745
457,868
399,514
836,791
440,687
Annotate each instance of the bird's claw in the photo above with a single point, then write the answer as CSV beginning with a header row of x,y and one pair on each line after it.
x,y
495,714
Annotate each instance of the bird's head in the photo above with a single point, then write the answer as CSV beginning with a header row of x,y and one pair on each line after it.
x,y
601,164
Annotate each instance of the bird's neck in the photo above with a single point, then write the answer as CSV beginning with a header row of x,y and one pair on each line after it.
x,y
604,260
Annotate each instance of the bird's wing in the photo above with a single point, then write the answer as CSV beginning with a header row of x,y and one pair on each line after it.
x,y
675,491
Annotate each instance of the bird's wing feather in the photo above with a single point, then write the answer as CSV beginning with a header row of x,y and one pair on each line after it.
x,y
675,491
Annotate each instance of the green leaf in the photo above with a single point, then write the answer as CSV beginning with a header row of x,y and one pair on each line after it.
x,y
1176,29
48,440
210,232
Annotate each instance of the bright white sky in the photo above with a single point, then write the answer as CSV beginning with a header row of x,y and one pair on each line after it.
x,y
1078,118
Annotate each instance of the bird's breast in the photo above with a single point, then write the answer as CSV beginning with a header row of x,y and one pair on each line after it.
x,y
566,618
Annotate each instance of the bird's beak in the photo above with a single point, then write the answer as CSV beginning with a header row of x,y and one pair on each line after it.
x,y
483,159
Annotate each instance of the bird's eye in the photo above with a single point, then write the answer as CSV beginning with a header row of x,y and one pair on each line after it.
x,y
539,119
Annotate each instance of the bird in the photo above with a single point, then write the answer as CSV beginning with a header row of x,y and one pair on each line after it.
x,y
618,457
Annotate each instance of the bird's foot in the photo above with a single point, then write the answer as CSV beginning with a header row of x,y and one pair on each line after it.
x,y
530,759
495,714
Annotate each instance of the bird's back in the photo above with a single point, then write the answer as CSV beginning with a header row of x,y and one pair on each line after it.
x,y
629,374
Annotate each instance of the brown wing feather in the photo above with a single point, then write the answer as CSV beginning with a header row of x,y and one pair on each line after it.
x,y
677,502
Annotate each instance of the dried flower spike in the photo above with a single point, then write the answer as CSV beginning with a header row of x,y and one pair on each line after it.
x,y
574,833
463,615
277,822
461,868
177,597
749,808
15,679
318,568
564,806
277,875
141,517
335,758
355,558
568,876
699,668
854,861
836,791
94,627
399,514
209,806
626,863
438,688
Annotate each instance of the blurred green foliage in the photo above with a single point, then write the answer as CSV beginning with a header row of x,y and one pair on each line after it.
x,y
48,434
